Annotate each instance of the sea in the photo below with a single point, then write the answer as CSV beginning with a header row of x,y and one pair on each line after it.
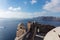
x,y
8,27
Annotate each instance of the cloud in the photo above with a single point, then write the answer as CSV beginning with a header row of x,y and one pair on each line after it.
x,y
14,9
33,1
17,14
53,6
37,14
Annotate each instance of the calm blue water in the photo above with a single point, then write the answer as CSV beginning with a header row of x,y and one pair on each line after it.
x,y
8,27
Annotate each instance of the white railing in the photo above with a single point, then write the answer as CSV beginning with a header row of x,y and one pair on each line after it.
x,y
40,36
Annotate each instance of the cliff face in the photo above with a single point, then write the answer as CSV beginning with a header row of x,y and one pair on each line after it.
x,y
32,30
29,25
41,28
46,28
20,31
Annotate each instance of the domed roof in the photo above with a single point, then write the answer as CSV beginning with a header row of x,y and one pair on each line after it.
x,y
54,34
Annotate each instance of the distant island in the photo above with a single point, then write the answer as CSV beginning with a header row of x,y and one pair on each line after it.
x,y
47,18
51,18
44,18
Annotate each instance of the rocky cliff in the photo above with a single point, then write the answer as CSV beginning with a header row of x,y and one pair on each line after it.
x,y
33,29
20,31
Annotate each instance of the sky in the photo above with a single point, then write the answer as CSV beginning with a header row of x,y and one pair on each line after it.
x,y
29,8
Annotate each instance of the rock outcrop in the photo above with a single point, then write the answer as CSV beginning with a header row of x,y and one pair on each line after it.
x,y
29,25
33,29
20,31
43,29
